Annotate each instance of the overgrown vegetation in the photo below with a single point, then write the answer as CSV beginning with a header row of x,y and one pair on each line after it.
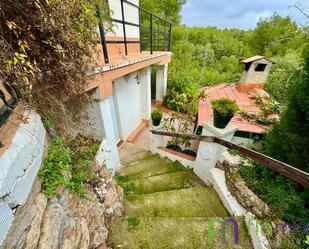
x,y
46,49
268,106
69,165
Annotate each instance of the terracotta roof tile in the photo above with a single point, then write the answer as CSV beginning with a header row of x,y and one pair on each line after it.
x,y
243,100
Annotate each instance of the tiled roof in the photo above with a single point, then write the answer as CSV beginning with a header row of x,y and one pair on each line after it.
x,y
243,99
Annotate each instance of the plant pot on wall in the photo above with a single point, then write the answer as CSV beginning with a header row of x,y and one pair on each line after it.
x,y
221,121
156,117
224,110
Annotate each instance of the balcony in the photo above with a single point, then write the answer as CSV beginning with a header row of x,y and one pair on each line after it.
x,y
137,35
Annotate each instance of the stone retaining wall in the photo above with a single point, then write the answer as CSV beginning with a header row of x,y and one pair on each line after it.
x,y
19,166
242,193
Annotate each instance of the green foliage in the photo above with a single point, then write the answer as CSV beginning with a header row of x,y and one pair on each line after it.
x,y
182,102
156,114
279,192
275,35
225,106
176,123
48,121
293,127
282,74
47,50
133,222
68,165
167,9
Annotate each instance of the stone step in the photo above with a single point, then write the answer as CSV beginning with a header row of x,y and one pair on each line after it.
x,y
148,168
136,157
176,233
169,181
192,202
141,164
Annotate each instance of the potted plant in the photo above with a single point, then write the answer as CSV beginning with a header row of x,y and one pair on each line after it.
x,y
224,110
156,117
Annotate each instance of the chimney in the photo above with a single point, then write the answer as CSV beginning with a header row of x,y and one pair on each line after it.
x,y
255,73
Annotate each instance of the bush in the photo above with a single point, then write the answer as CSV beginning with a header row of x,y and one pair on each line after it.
x,y
279,192
225,106
157,114
288,141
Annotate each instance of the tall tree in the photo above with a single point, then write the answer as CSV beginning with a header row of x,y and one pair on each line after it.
x,y
275,35
167,9
289,139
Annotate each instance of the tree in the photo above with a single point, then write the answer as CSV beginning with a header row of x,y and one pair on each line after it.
x,y
167,9
275,35
289,139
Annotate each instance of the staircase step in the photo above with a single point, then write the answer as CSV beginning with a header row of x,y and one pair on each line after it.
x,y
192,202
176,233
170,181
137,156
149,168
141,165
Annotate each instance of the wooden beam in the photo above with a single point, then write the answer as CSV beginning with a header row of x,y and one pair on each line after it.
x,y
194,137
287,170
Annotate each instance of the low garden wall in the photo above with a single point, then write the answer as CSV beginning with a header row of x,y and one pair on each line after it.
x,y
19,166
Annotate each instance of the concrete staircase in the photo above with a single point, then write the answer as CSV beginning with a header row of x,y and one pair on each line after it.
x,y
168,206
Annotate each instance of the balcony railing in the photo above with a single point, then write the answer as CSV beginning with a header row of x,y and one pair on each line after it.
x,y
154,32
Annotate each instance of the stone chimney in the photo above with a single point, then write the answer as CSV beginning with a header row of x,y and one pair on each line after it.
x,y
255,73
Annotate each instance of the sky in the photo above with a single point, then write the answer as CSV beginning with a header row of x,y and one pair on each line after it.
x,y
243,14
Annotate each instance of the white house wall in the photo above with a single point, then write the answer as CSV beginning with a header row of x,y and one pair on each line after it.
x,y
131,15
127,93
91,124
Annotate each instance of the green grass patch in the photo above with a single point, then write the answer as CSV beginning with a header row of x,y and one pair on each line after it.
x,y
133,223
68,164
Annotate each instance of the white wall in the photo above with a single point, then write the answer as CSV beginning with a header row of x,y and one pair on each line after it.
x,y
127,96
161,81
242,140
19,166
91,124
130,14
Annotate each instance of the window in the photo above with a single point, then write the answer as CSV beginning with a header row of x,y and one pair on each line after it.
x,y
247,66
260,67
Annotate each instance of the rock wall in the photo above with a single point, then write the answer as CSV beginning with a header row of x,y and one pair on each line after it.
x,y
67,221
241,192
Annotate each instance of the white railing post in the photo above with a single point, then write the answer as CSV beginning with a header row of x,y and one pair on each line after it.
x,y
210,152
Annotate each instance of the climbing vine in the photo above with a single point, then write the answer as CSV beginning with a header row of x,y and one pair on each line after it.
x,y
268,106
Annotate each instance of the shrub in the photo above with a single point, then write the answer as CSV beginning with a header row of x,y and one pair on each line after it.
x,y
225,106
157,114
69,165
279,192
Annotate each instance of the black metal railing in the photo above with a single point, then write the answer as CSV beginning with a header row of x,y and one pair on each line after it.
x,y
154,31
